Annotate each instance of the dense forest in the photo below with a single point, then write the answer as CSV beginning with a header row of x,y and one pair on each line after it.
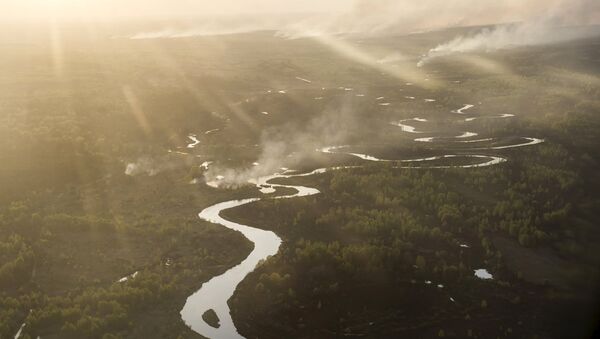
x,y
99,228
91,276
385,235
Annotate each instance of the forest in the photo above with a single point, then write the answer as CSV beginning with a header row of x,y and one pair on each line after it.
x,y
388,233
101,189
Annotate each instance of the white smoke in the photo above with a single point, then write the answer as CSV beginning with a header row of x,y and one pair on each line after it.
x,y
392,58
372,17
550,27
386,16
152,166
272,158
289,147
142,166
204,30
220,25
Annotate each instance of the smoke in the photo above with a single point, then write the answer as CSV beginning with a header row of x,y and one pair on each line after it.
x,y
370,17
272,158
218,26
289,147
172,33
548,28
392,58
142,166
151,166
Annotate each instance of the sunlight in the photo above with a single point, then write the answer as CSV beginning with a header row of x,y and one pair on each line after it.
x,y
574,77
405,72
239,168
485,64
137,110
57,49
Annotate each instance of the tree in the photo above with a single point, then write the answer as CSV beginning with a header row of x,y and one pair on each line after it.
x,y
420,262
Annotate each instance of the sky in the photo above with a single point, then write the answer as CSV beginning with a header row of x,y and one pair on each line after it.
x,y
38,9
370,14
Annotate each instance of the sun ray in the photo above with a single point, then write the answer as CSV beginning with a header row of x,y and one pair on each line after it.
x,y
406,72
136,109
56,45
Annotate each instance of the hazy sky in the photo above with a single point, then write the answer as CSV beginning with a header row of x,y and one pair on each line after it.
x,y
161,8
406,12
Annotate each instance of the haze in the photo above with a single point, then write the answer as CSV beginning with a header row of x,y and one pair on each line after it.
x,y
299,169
80,9
430,13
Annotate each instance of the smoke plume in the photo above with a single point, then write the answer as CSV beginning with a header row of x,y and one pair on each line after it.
x,y
551,27
368,17
152,166
289,147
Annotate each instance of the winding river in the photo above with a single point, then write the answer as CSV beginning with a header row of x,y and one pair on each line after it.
x,y
215,293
